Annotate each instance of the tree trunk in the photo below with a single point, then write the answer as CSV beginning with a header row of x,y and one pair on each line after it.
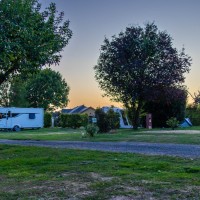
x,y
136,118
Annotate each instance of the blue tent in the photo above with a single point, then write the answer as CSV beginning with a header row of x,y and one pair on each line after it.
x,y
186,123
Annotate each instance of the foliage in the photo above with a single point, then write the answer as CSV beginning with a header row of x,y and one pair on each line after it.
x,y
102,122
113,119
73,120
193,109
63,120
196,99
193,112
107,121
46,89
131,115
172,122
18,93
169,102
136,62
30,38
4,94
91,129
84,120
47,119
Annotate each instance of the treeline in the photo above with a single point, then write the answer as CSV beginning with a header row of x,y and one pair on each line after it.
x,y
105,121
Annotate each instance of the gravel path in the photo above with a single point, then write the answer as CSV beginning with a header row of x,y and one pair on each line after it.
x,y
180,150
174,131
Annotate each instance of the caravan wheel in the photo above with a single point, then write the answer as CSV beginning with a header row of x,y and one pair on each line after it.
x,y
16,128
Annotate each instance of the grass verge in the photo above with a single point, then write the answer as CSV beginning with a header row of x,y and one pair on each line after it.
x,y
46,173
157,136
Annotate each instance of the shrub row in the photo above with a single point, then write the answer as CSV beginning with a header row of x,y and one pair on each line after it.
x,y
73,120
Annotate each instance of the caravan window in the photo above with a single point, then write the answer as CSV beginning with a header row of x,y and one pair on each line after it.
x,y
3,115
15,114
9,114
31,115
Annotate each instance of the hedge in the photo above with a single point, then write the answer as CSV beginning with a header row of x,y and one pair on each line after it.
x,y
73,120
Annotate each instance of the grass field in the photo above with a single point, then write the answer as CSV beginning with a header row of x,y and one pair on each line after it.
x,y
46,173
142,135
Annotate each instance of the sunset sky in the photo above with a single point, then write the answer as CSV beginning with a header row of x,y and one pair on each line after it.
x,y
92,20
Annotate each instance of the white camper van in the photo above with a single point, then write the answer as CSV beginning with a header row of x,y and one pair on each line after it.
x,y
19,118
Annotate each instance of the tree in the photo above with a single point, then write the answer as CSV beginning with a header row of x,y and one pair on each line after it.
x,y
167,103
193,112
107,121
29,38
196,98
47,89
172,122
102,121
137,61
193,109
113,119
4,94
18,93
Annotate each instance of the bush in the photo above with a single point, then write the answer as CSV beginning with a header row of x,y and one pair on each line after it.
x,y
102,122
63,119
172,122
113,119
84,120
107,121
47,119
91,129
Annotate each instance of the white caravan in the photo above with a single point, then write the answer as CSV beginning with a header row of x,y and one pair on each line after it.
x,y
124,123
19,118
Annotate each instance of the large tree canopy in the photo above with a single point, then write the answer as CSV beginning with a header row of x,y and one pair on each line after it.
x,y
30,38
134,63
46,89
167,103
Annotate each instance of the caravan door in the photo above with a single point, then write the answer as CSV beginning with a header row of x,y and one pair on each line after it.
x,y
5,119
2,120
8,119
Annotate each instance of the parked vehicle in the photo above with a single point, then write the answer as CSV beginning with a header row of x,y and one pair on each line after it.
x,y
19,118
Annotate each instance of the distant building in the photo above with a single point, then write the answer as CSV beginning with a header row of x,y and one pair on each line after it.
x,y
80,110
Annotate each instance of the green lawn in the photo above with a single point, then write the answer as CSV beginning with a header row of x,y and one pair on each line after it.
x,y
141,135
47,173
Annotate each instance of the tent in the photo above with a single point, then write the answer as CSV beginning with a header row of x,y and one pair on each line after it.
x,y
186,123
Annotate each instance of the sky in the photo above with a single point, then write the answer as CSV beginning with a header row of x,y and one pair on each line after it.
x,y
93,20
